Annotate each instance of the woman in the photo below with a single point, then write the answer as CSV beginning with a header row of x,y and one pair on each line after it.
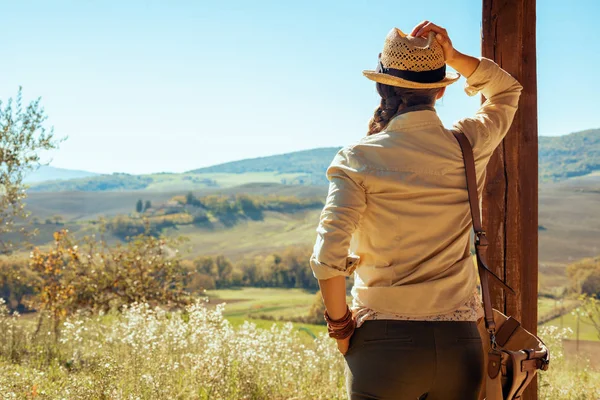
x,y
397,217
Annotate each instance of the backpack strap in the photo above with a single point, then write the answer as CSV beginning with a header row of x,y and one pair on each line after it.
x,y
481,241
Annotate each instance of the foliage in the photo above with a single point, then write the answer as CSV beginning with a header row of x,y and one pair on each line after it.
x,y
22,136
90,275
590,308
190,209
289,269
148,353
17,282
124,227
584,276
229,208
139,206
565,379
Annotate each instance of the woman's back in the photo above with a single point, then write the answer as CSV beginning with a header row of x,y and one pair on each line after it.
x,y
397,216
398,200
413,237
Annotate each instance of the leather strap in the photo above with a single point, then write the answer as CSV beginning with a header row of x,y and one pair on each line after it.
x,y
506,330
481,241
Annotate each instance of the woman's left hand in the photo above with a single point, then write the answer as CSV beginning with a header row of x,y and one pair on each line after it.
x,y
343,344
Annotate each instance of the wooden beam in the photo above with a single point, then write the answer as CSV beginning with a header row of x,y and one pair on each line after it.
x,y
510,202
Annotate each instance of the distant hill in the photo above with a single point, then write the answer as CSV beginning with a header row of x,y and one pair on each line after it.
x,y
568,156
48,173
560,157
313,163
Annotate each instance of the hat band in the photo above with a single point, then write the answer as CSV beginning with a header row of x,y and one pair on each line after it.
x,y
432,76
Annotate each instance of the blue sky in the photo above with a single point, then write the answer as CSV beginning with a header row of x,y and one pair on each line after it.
x,y
149,86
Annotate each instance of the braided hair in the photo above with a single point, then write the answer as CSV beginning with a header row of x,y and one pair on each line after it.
x,y
393,98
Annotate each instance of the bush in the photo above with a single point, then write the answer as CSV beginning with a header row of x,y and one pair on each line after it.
x,y
148,353
90,275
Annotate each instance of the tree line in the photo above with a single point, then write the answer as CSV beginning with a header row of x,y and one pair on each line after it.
x,y
88,273
205,211
286,269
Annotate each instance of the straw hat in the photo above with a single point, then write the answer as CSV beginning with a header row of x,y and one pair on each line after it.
x,y
412,62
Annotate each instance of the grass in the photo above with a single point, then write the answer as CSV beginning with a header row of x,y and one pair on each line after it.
x,y
148,354
251,303
567,321
274,302
548,306
249,238
587,331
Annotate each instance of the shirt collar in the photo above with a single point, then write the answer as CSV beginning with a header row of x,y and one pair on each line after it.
x,y
412,117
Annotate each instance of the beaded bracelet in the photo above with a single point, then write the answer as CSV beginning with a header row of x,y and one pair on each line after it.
x,y
340,328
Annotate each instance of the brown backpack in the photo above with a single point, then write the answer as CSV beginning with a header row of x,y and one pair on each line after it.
x,y
512,355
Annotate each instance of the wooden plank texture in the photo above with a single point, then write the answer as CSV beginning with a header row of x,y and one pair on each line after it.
x,y
510,202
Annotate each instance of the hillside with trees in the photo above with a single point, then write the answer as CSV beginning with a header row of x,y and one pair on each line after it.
x,y
211,211
562,157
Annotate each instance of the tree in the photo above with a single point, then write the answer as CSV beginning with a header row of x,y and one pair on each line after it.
x,y
585,276
189,198
22,136
88,274
224,270
139,206
591,309
148,205
205,265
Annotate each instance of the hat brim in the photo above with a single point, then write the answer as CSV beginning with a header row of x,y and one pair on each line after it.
x,y
391,80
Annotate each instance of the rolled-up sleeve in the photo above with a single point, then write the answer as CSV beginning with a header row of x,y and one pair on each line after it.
x,y
345,204
493,119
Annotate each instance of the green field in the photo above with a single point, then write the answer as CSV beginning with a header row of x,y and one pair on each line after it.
x,y
548,306
587,331
251,303
568,320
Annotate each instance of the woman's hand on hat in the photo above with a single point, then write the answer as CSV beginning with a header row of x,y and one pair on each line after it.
x,y
441,35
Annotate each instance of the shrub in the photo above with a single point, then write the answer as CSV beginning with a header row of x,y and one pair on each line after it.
x,y
148,353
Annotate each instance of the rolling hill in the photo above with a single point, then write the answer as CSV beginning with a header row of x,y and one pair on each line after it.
x,y
48,173
560,157
568,212
571,155
313,163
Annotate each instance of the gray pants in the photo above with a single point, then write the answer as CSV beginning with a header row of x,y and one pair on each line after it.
x,y
416,360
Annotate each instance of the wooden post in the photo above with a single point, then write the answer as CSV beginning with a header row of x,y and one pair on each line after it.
x,y
510,202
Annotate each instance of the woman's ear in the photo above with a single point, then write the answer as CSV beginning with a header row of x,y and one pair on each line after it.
x,y
440,93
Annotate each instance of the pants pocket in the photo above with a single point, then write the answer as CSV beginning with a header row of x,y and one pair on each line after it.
x,y
407,340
